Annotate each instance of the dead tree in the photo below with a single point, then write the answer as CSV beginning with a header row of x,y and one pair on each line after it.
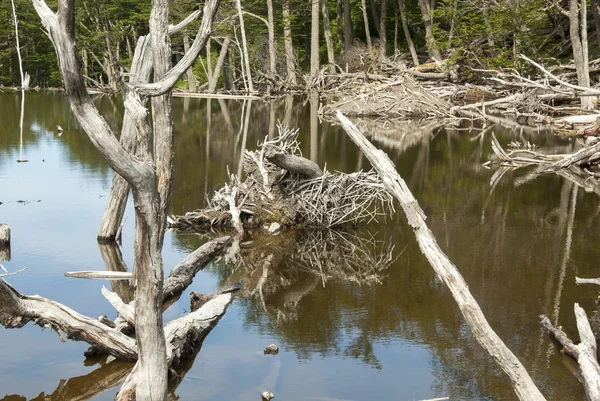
x,y
445,269
148,173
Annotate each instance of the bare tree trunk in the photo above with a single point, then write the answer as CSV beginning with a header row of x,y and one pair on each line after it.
x,y
444,268
190,73
395,28
375,17
578,36
245,46
24,85
595,4
348,31
432,47
212,85
382,29
209,70
328,38
271,29
314,39
340,25
486,20
409,42
366,22
453,21
287,42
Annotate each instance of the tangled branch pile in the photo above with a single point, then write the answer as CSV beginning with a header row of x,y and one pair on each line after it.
x,y
281,186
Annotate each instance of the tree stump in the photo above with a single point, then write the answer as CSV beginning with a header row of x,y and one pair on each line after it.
x,y
4,243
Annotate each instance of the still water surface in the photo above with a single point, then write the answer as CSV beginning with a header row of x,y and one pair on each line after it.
x,y
393,334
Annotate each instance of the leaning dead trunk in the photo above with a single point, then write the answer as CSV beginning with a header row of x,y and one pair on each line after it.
x,y
212,85
445,269
328,38
192,87
407,36
366,22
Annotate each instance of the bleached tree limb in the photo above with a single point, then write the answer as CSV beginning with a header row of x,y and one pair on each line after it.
x,y
445,269
17,310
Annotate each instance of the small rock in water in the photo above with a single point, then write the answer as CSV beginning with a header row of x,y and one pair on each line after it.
x,y
267,395
274,227
271,350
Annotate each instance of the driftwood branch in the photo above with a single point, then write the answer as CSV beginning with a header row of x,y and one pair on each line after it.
x,y
445,269
182,275
100,275
16,310
580,281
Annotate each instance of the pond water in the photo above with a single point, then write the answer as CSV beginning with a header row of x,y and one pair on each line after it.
x,y
374,324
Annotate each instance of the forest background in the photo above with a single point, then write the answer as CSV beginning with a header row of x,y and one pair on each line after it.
x,y
469,35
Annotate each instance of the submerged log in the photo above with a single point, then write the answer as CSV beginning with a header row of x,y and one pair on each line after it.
x,y
445,269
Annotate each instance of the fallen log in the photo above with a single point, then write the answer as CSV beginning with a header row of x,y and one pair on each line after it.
x,y
17,310
445,269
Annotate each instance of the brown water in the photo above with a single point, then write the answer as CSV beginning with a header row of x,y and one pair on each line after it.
x,y
364,327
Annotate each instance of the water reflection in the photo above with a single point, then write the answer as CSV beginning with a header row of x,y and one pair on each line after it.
x,y
519,248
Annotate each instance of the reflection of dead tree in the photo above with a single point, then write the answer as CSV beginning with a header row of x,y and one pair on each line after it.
x,y
285,268
282,186
86,387
579,167
343,256
585,353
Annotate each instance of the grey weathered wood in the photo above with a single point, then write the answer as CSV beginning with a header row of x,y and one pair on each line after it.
x,y
182,275
17,310
4,234
183,335
580,281
170,78
588,360
126,311
445,269
212,85
296,164
100,275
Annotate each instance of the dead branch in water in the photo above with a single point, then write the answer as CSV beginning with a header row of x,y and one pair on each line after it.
x,y
445,269
293,191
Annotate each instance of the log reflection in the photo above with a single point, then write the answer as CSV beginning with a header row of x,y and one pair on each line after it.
x,y
280,270
86,387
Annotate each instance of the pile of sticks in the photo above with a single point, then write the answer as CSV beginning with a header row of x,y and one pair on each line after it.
x,y
284,187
